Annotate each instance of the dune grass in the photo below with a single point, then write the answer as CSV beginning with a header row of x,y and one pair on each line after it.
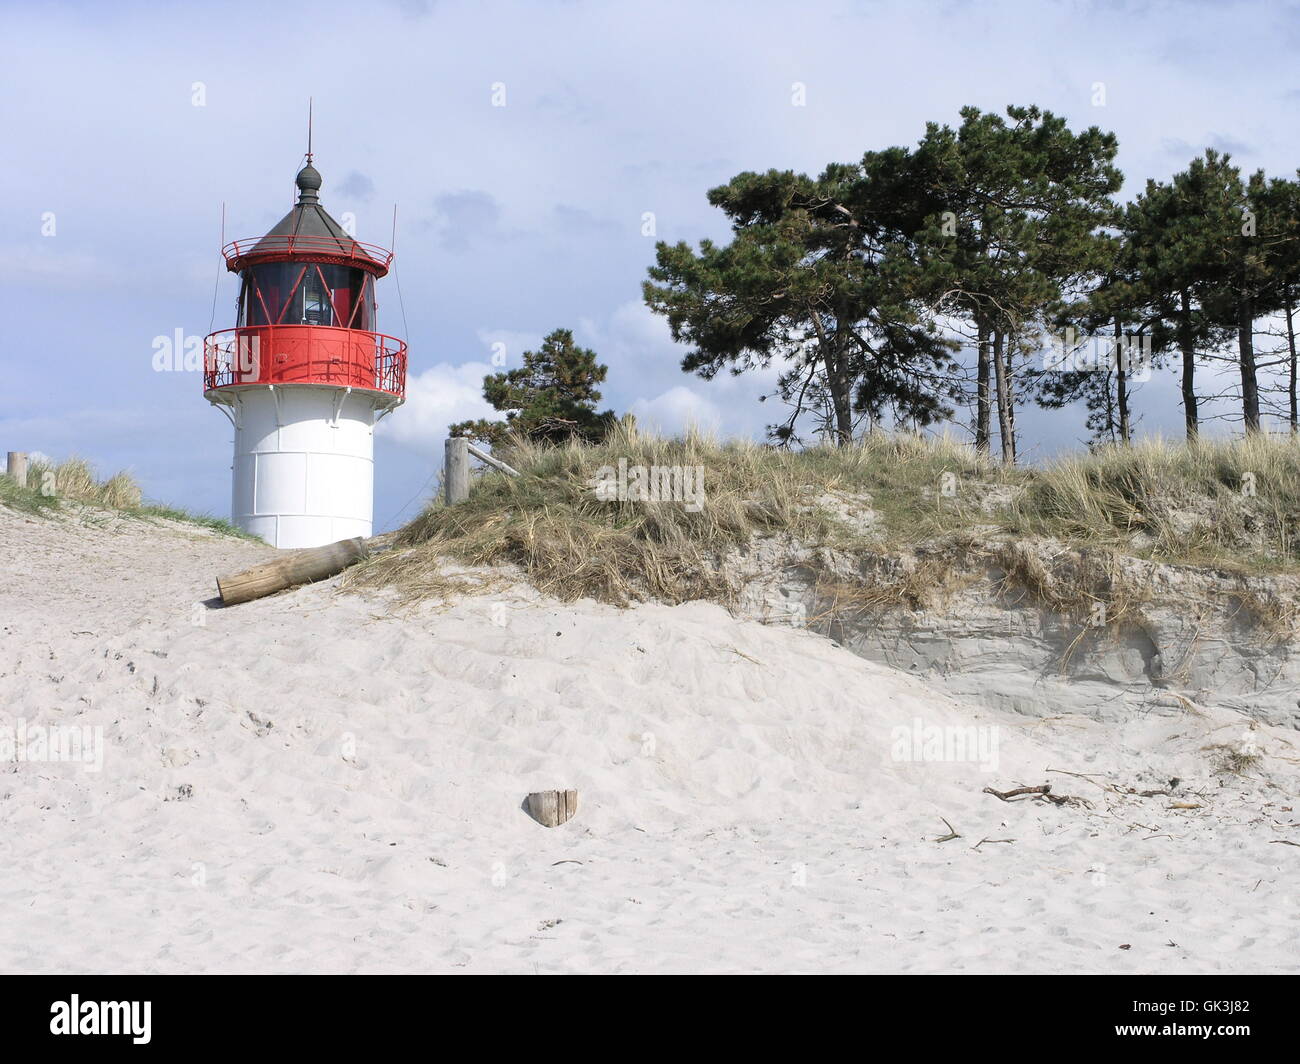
x,y
572,544
24,499
1223,502
1228,504
75,480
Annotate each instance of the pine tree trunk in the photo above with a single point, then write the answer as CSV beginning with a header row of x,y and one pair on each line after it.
x,y
1289,306
841,401
1246,358
1008,348
831,348
1190,415
1121,382
1004,399
982,393
1110,406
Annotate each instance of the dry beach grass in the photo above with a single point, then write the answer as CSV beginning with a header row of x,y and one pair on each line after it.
x,y
1231,505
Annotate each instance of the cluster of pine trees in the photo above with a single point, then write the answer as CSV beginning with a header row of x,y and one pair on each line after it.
x,y
991,265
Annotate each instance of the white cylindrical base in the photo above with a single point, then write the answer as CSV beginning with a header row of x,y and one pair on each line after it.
x,y
304,463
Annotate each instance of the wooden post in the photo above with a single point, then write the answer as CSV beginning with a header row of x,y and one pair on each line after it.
x,y
552,808
17,467
293,567
455,478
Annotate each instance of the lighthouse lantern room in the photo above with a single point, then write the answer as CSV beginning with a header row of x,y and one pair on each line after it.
x,y
304,376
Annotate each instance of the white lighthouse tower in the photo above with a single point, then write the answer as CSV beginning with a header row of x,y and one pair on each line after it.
x,y
304,377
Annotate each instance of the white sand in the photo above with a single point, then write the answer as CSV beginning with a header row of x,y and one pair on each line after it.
x,y
316,782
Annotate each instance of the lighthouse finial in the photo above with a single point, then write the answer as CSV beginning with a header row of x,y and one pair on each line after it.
x,y
308,179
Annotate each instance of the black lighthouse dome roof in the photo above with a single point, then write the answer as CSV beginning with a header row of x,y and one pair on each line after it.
x,y
308,234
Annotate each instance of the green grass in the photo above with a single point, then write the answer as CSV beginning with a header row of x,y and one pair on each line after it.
x,y
218,525
24,499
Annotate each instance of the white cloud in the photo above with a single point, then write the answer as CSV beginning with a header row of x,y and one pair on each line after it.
x,y
677,409
514,342
631,338
436,398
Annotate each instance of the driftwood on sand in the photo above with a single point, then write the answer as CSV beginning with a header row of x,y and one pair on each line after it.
x,y
1016,792
317,563
291,568
1041,793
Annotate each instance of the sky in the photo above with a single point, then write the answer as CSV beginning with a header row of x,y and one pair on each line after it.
x,y
531,154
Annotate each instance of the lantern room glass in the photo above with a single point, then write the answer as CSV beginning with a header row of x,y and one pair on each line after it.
x,y
307,293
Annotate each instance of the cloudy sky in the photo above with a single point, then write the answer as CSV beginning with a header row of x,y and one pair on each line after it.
x,y
127,126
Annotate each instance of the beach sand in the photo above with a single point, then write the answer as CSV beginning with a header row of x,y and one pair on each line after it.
x,y
325,782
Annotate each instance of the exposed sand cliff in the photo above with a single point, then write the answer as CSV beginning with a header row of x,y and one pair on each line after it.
x,y
1040,627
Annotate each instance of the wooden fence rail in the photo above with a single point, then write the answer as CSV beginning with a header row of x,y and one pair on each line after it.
x,y
455,480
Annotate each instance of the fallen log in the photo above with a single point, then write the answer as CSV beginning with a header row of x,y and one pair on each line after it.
x,y
291,568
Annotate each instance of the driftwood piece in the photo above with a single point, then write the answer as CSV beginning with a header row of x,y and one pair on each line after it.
x,y
552,808
292,567
1018,791
1064,799
1041,793
952,834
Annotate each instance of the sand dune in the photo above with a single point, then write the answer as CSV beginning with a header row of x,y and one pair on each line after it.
x,y
323,782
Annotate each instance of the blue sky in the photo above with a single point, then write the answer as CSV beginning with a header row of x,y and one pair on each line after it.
x,y
514,220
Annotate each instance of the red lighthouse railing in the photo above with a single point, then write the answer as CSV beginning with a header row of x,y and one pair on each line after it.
x,y
293,247
304,354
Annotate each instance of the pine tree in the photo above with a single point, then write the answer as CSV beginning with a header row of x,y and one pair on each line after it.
x,y
812,281
1172,233
1105,348
1015,208
1279,203
552,397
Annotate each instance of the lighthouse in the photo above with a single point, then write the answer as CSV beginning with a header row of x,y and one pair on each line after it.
x,y
304,376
